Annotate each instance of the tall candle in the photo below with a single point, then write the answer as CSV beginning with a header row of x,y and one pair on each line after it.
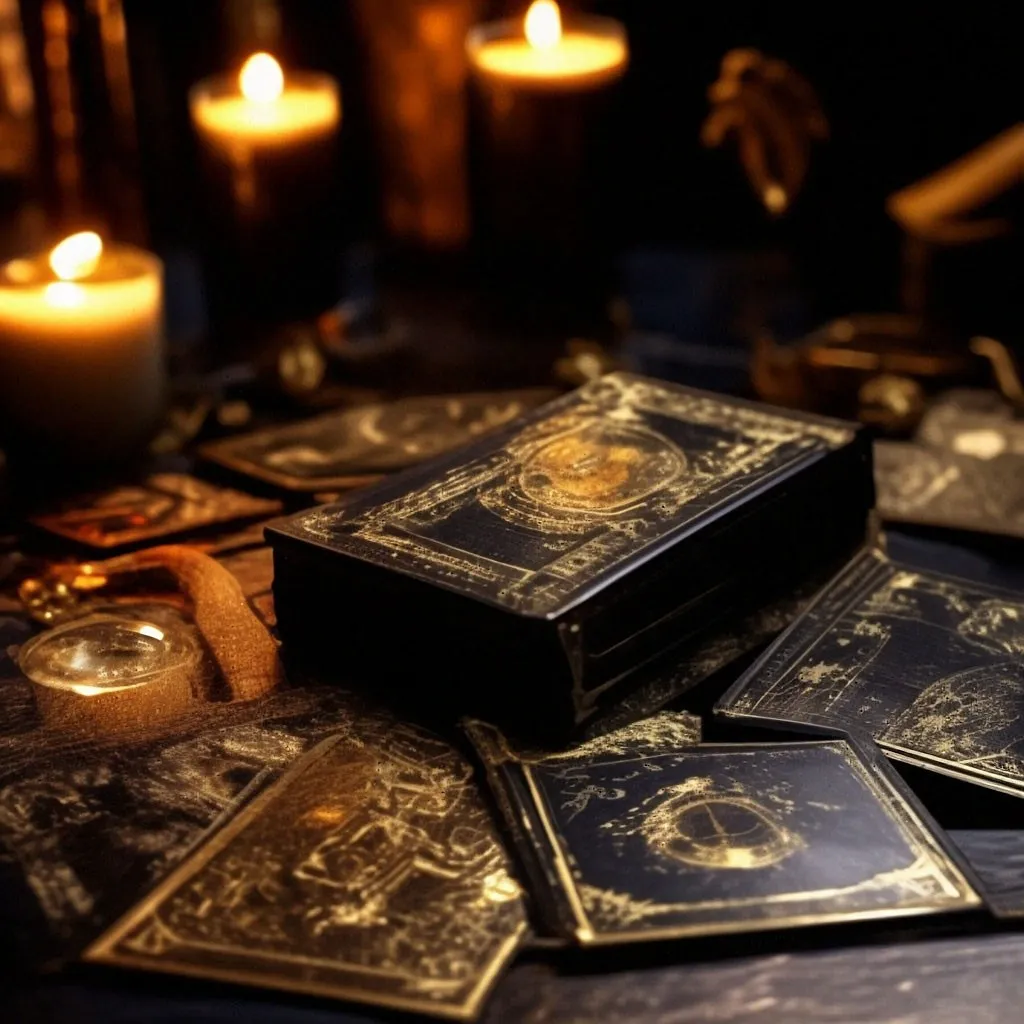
x,y
81,350
268,141
539,130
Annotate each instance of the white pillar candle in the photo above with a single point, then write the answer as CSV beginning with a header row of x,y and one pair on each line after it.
x,y
81,349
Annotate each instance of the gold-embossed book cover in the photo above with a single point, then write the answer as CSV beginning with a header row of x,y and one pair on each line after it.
x,y
371,871
639,842
928,665
621,520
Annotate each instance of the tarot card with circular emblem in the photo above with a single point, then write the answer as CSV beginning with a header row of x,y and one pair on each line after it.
x,y
631,841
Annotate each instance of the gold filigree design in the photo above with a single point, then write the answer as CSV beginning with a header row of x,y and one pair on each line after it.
x,y
600,468
882,620
711,845
672,730
370,872
592,483
724,831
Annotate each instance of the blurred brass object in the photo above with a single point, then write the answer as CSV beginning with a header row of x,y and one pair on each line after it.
x,y
774,115
584,361
878,369
893,403
939,208
53,598
17,99
301,364
1004,367
234,414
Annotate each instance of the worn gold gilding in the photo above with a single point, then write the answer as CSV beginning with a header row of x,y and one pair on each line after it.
x,y
370,872
926,664
646,839
594,477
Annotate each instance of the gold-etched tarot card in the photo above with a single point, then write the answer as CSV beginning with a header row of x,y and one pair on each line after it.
x,y
633,843
927,665
352,447
371,871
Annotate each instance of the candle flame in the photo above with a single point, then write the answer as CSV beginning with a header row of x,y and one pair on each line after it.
x,y
543,24
77,256
64,295
261,79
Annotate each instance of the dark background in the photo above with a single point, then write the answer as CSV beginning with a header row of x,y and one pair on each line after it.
x,y
907,88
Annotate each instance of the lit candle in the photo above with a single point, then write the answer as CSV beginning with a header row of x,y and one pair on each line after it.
x,y
81,350
542,54
261,110
539,132
268,142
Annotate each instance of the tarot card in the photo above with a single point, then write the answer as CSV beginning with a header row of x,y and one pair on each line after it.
x,y
163,505
357,446
981,492
90,825
371,871
673,841
972,422
927,665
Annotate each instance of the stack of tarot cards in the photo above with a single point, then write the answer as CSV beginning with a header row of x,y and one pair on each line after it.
x,y
551,567
582,557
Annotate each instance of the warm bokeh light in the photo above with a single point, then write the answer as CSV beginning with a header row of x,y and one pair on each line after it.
x,y
77,256
261,78
543,24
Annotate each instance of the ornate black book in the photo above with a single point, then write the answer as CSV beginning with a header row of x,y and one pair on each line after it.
x,y
534,575
927,665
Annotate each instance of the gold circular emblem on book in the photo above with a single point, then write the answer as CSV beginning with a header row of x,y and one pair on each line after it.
x,y
600,468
